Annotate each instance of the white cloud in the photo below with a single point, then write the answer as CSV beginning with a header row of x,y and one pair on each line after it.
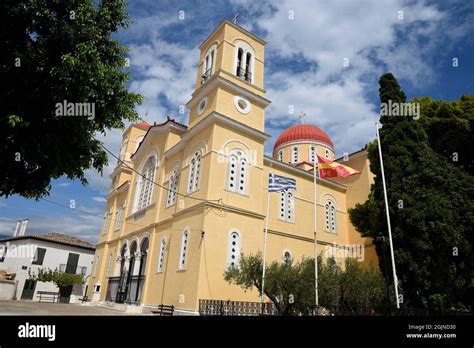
x,y
99,199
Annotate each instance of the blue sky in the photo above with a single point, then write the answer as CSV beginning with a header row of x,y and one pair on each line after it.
x,y
303,68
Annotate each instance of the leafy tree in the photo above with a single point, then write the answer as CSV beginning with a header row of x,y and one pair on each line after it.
x,y
450,129
430,203
52,52
290,286
60,279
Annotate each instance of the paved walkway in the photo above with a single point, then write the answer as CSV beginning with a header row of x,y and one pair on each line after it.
x,y
44,308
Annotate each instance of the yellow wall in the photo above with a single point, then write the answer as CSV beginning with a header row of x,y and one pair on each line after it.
x,y
210,222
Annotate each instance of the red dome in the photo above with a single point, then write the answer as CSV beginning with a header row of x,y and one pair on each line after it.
x,y
303,132
143,125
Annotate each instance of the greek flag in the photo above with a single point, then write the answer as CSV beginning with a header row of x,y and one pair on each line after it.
x,y
280,183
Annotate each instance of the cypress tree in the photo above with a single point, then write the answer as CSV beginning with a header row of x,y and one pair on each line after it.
x,y
430,204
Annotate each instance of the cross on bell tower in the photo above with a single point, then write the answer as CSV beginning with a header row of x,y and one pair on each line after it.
x,y
302,116
234,20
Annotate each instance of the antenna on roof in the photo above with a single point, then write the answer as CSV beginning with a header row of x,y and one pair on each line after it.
x,y
234,20
302,116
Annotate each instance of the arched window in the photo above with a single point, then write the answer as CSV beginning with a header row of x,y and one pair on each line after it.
x,y
194,172
107,218
287,206
295,155
109,265
326,154
184,249
330,216
119,216
208,64
240,53
161,255
96,266
138,141
244,61
233,250
312,154
123,150
145,184
173,188
280,155
237,172
287,257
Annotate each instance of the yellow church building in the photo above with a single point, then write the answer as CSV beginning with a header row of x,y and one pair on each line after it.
x,y
186,201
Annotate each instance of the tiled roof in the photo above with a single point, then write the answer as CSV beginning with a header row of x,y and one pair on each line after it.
x,y
302,132
55,238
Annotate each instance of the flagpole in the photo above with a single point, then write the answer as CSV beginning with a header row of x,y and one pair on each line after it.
x,y
265,241
395,279
316,295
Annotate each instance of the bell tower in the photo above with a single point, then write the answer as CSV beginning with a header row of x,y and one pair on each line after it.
x,y
230,77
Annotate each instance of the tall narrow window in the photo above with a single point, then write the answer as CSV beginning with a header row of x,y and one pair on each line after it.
x,y
233,250
109,265
287,206
287,257
161,255
145,186
295,155
326,154
208,64
280,155
240,53
312,154
119,217
194,172
172,188
184,249
96,266
330,216
107,218
237,172
248,74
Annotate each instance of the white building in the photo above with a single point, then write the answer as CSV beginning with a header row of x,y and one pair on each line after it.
x,y
52,250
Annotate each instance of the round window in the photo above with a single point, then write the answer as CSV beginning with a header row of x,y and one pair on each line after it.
x,y
242,104
202,105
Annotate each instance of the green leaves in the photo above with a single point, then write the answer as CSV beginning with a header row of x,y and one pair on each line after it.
x,y
61,280
432,232
48,57
291,287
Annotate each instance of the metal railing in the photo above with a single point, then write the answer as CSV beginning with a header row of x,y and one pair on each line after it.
x,y
244,74
205,76
63,268
234,308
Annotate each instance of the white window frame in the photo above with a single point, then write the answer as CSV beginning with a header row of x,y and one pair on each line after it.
x,y
330,216
194,172
119,217
237,247
109,265
312,153
327,154
144,187
295,155
245,49
280,155
184,249
209,60
96,266
173,186
241,172
161,255
289,252
286,207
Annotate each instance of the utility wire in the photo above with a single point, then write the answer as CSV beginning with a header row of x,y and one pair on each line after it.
x,y
159,185
104,217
